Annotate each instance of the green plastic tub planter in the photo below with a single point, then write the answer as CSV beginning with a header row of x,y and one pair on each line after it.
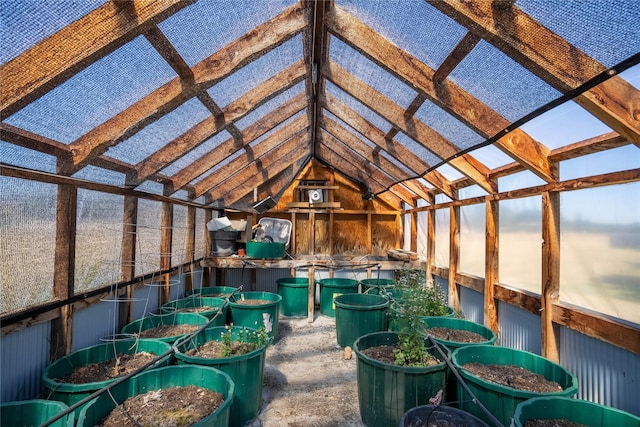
x,y
427,415
171,376
194,302
295,296
331,288
246,371
374,286
358,315
34,413
212,291
154,321
386,391
500,400
71,393
253,315
265,250
575,410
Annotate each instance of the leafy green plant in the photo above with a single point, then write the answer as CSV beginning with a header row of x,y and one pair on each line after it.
x,y
244,340
413,299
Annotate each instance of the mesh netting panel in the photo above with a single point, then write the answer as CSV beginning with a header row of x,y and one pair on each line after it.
x,y
447,125
417,148
25,23
98,239
372,74
151,187
269,106
95,174
412,25
195,154
148,236
160,133
359,107
27,242
606,30
201,229
96,93
215,23
501,83
179,236
18,156
256,72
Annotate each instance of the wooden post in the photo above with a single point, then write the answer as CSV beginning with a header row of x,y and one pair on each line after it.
x,y
331,223
369,234
166,235
206,272
454,256
312,232
128,268
311,301
414,232
431,242
491,266
550,272
64,269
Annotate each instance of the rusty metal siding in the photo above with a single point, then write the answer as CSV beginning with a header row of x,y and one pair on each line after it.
x,y
24,355
519,329
606,374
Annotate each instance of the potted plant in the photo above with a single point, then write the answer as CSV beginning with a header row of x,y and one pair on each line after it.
x,y
398,370
238,351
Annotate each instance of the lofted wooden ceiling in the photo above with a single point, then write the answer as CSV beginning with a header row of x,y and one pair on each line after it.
x,y
329,130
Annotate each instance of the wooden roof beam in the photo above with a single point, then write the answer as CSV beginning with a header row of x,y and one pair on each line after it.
x,y
290,135
547,55
462,49
446,95
210,126
169,53
76,46
415,129
169,96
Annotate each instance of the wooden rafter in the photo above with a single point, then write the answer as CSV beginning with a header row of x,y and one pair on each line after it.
x,y
615,102
446,95
415,129
172,94
76,46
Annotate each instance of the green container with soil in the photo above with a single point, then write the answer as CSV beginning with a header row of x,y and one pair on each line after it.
x,y
331,288
454,333
254,309
206,306
377,286
574,410
358,315
246,370
439,415
166,327
501,400
77,375
163,381
295,296
386,391
213,291
34,413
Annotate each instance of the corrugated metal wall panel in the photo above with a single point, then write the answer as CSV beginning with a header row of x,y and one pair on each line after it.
x,y
94,322
24,356
519,329
266,280
146,301
472,305
607,374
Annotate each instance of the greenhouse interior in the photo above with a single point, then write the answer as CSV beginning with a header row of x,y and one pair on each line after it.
x,y
299,176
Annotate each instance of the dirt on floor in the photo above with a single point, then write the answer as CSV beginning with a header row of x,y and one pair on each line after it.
x,y
307,380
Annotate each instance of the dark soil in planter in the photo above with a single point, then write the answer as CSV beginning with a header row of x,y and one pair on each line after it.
x,y
385,353
168,407
194,309
513,376
109,369
552,423
213,349
252,301
164,331
456,335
